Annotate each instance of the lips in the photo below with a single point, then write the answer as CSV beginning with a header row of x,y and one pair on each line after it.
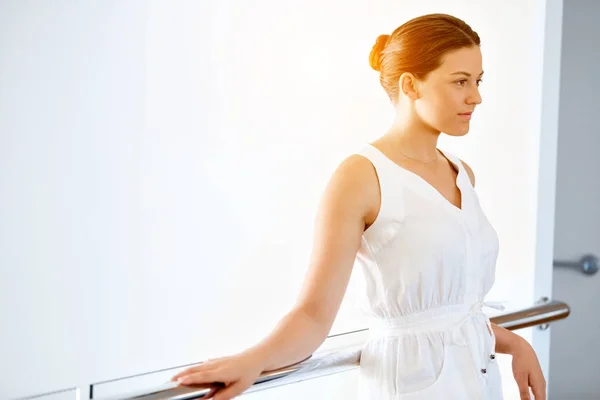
x,y
465,116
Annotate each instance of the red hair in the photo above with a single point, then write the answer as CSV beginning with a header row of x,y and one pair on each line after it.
x,y
417,47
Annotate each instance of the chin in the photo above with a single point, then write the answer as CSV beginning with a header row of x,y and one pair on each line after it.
x,y
457,131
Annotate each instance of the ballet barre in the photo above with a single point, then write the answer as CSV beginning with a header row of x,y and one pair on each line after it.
x,y
341,353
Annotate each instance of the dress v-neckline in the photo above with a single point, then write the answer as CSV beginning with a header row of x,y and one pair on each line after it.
x,y
428,185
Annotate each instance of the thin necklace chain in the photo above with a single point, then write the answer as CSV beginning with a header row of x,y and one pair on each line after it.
x,y
424,162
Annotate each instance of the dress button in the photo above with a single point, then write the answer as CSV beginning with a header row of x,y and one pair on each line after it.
x,y
492,356
483,370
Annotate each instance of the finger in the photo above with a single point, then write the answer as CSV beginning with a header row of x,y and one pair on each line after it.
x,y
180,374
523,384
538,388
197,368
525,394
186,371
201,377
231,391
211,393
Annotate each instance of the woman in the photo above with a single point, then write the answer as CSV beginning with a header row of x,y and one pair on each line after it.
x,y
407,215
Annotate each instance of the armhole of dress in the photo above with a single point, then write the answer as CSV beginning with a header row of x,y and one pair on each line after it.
x,y
466,172
379,168
462,170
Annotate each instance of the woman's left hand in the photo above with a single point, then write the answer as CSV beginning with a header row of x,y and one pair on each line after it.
x,y
527,372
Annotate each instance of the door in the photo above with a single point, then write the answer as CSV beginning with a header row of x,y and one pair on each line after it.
x,y
574,348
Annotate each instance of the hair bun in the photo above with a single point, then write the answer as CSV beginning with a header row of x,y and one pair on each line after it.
x,y
375,56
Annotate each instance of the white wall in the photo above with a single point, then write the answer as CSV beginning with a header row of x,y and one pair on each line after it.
x,y
161,164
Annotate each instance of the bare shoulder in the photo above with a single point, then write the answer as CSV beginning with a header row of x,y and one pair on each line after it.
x,y
355,175
356,169
469,172
355,183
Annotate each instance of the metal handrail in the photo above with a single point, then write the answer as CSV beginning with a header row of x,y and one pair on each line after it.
x,y
345,357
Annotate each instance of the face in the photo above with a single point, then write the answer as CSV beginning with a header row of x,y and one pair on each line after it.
x,y
450,93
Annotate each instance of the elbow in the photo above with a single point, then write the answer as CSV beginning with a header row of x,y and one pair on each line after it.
x,y
320,318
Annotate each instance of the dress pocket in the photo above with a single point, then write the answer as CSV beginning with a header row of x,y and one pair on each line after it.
x,y
434,377
411,364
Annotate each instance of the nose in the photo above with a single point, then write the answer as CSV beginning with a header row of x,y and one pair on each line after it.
x,y
474,97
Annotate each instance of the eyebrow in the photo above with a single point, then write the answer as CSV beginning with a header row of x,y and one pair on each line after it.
x,y
464,73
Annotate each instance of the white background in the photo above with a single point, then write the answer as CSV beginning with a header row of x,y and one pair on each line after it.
x,y
161,164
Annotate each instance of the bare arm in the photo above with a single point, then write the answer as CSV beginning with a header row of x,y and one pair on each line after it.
x,y
349,203
507,342
339,224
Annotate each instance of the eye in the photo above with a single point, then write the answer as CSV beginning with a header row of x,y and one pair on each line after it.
x,y
463,82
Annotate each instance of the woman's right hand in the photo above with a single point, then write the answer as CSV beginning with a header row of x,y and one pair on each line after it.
x,y
235,374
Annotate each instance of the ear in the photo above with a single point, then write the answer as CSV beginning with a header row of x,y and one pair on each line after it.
x,y
409,85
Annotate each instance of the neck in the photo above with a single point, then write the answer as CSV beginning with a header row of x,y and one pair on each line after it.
x,y
412,137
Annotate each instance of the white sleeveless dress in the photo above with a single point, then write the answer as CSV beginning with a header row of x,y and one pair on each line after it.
x,y
426,266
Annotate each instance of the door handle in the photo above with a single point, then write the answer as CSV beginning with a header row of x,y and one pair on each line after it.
x,y
588,264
